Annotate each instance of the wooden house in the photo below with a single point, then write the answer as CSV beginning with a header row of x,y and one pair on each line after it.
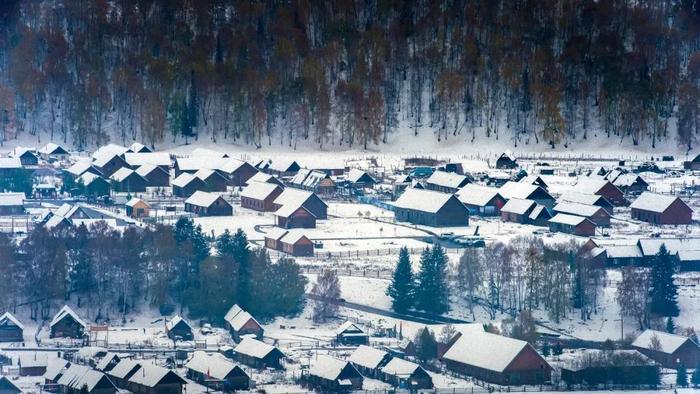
x,y
446,182
242,324
291,216
630,184
187,184
12,204
54,370
430,208
138,147
214,181
594,213
539,216
155,176
593,367
350,333
33,364
109,361
53,152
525,191
402,373
360,179
506,161
601,187
126,180
329,374
10,166
123,371
157,159
71,173
481,200
153,379
11,329
26,157
109,162
281,167
369,360
208,204
137,208
216,372
92,185
67,324
535,180
260,196
8,387
497,359
693,164
588,199
661,209
264,178
517,210
237,172
80,379
309,200
293,243
669,350
258,354
572,224
179,328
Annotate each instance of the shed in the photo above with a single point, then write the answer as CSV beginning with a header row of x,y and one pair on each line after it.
x,y
11,329
179,328
572,224
66,323
661,209
260,196
497,359
329,374
481,200
217,372
506,161
137,208
446,182
350,333
258,354
33,364
430,208
187,184
517,210
369,360
242,324
208,204
668,349
402,373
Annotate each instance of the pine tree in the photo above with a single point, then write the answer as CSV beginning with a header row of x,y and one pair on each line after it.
x,y
241,255
432,291
670,325
663,293
442,290
545,349
426,345
681,376
425,285
402,286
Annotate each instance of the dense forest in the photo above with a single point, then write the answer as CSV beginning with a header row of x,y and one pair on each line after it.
x,y
349,73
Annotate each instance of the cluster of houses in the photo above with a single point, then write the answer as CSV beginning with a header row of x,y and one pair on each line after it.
x,y
601,252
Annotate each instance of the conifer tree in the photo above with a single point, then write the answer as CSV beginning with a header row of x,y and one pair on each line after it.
x,y
695,378
663,293
432,291
426,345
402,286
670,325
681,376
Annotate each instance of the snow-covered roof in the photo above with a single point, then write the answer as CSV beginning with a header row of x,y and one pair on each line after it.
x,y
287,209
368,357
67,311
254,348
52,148
153,158
537,211
295,197
571,220
275,233
177,319
20,151
262,177
56,220
689,255
81,378
355,174
622,251
477,195
121,174
108,358
423,200
626,180
446,179
207,153
517,206
669,343
588,184
240,319
11,199
214,365
137,147
123,367
229,165
146,169
520,190
150,375
651,246
232,312
135,201
202,199
259,190
183,179
54,368
400,367
578,209
348,326
33,360
582,198
653,202
79,167
328,367
485,350
10,162
109,150
8,318
292,237
205,173
534,180
282,164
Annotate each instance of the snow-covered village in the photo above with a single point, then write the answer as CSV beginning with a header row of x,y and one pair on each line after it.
x,y
357,196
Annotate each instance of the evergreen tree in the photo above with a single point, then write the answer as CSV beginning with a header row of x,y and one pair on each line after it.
x,y
695,378
402,286
681,376
545,349
663,293
432,291
426,345
670,325
241,255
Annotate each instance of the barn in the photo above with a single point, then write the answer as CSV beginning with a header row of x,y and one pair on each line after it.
x,y
506,161
402,373
446,182
53,151
594,213
155,176
481,200
572,224
127,180
67,324
153,379
592,367
11,329
517,210
588,199
601,187
109,162
187,184
214,180
179,328
307,199
26,157
258,354
260,196
369,360
242,324
217,372
350,333
291,216
79,379
525,191
661,209
497,359
430,208
668,349
208,204
329,374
